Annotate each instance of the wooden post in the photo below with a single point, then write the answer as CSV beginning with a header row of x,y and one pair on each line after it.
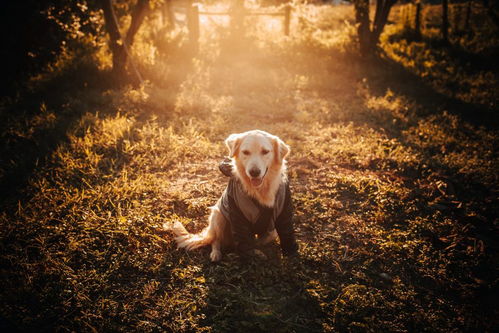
x,y
467,27
167,13
287,19
237,14
417,20
193,25
445,20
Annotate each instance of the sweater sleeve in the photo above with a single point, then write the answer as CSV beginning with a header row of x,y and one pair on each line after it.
x,y
284,226
241,229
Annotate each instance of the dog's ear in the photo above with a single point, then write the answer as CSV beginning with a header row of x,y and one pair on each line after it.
x,y
233,142
281,150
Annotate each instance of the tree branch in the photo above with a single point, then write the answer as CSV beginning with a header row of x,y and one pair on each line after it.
x,y
138,15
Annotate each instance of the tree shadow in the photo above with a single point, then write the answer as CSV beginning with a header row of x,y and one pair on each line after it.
x,y
386,74
260,295
35,123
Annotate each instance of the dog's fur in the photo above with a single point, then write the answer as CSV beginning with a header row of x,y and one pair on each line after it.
x,y
258,160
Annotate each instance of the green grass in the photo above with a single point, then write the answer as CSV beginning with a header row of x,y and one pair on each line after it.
x,y
394,184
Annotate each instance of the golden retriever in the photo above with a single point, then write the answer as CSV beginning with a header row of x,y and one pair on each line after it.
x,y
258,187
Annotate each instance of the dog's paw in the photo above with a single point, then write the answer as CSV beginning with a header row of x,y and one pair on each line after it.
x,y
215,256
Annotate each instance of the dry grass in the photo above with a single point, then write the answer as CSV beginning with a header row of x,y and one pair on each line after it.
x,y
395,190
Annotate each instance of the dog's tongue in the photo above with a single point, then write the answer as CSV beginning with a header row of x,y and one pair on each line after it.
x,y
256,181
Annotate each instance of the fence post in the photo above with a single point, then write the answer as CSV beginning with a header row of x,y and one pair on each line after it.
x,y
445,21
287,19
417,19
467,27
193,25
167,14
237,13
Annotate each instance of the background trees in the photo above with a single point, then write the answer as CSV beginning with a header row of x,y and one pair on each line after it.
x,y
119,45
368,33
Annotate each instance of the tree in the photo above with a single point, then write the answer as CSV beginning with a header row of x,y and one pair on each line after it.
x,y
369,36
490,5
34,33
417,20
120,46
445,20
467,17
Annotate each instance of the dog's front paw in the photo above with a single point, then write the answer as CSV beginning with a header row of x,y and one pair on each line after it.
x,y
215,256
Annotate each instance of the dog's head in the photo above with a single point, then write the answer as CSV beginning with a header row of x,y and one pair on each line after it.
x,y
256,153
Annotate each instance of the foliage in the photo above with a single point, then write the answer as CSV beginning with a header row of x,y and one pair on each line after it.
x,y
35,32
394,184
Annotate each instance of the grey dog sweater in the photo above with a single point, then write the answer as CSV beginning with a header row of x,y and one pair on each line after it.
x,y
251,210
248,217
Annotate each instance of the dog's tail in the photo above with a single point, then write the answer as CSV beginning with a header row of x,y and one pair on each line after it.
x,y
190,241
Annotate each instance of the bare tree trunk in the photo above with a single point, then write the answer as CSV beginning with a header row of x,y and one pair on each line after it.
x,y
363,29
382,18
467,27
445,20
117,49
417,20
369,38
138,15
120,46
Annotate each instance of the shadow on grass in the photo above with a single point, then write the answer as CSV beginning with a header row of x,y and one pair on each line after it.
x,y
35,123
260,296
384,73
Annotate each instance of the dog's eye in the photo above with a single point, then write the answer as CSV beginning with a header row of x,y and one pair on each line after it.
x,y
265,151
246,152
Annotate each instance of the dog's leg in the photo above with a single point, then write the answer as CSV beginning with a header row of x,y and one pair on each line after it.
x,y
217,224
216,252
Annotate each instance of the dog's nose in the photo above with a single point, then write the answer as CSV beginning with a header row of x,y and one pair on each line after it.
x,y
254,172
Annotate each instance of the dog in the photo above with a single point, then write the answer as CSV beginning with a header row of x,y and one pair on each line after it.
x,y
256,201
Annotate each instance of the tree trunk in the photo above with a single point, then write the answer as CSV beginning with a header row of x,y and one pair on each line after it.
x,y
445,20
119,46
115,42
381,18
369,38
417,20
467,27
138,15
363,29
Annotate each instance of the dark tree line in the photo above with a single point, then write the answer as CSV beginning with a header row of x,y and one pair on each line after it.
x,y
35,31
31,38
369,33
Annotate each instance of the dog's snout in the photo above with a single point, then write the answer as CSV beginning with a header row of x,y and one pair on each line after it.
x,y
254,172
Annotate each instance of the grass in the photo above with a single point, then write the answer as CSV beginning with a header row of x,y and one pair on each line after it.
x,y
394,185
